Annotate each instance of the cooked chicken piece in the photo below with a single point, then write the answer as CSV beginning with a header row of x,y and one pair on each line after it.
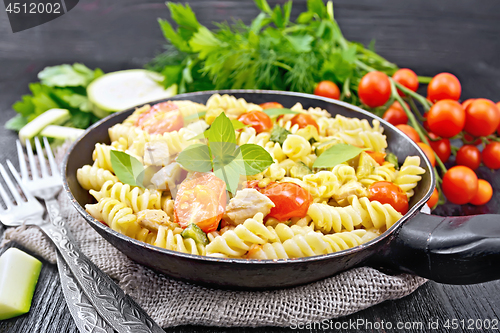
x,y
167,177
350,188
246,204
197,127
156,152
151,219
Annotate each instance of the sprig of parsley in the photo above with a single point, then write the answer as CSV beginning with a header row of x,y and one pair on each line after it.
x,y
271,53
63,87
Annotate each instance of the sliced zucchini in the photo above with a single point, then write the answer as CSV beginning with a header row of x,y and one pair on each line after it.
x,y
195,232
49,117
61,132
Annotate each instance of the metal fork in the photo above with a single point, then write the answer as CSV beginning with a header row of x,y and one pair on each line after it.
x,y
115,307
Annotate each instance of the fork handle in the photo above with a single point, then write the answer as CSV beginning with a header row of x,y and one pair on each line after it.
x,y
115,307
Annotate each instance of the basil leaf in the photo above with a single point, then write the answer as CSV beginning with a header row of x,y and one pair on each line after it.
x,y
230,174
223,153
256,159
337,154
195,116
222,130
278,112
238,124
279,134
196,157
128,169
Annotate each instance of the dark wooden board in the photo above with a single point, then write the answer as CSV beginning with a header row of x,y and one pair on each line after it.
x,y
427,36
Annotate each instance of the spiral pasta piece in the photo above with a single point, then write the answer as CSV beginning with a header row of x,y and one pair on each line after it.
x,y
235,243
134,197
327,218
409,175
101,156
171,240
374,213
93,177
114,213
296,147
249,135
384,172
323,184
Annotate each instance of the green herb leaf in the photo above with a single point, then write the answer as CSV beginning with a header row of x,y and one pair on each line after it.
x,y
230,174
16,123
279,134
183,16
238,124
127,168
278,112
173,37
195,116
337,154
391,158
264,6
256,159
66,76
300,43
222,130
204,42
196,157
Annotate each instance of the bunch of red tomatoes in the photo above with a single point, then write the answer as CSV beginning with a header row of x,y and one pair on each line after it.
x,y
475,123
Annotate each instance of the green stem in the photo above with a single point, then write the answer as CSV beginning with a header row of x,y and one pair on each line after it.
x,y
364,66
345,88
421,99
415,124
282,65
415,109
424,79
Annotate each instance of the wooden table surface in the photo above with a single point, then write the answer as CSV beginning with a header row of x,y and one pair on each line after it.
x,y
428,36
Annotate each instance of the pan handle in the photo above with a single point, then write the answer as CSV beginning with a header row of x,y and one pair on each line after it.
x,y
452,250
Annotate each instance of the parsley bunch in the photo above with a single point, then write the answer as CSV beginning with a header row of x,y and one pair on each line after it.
x,y
271,53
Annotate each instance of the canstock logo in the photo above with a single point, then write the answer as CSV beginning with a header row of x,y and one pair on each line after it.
x,y
25,14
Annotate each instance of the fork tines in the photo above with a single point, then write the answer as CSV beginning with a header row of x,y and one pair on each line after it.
x,y
41,159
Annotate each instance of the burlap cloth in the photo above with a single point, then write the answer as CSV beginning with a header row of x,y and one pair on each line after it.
x,y
171,302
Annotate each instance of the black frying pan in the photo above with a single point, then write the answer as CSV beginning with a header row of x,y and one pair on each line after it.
x,y
455,250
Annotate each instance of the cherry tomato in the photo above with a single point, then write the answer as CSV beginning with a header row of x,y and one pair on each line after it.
x,y
444,86
374,89
428,152
390,193
260,121
459,184
442,147
290,200
327,89
469,156
467,102
407,78
271,105
482,117
446,118
484,193
410,131
395,114
201,199
304,119
491,155
377,156
433,200
161,118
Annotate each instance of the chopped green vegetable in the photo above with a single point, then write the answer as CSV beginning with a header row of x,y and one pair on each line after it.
x,y
392,158
50,117
279,134
337,154
18,278
300,170
61,132
195,232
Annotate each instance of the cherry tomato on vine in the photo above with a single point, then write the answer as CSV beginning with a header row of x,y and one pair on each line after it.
x,y
482,117
407,78
446,118
428,152
467,102
390,193
484,193
491,155
304,119
161,118
433,200
290,200
395,114
374,89
444,86
442,147
469,156
260,121
377,156
201,199
459,184
410,131
327,89
271,105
